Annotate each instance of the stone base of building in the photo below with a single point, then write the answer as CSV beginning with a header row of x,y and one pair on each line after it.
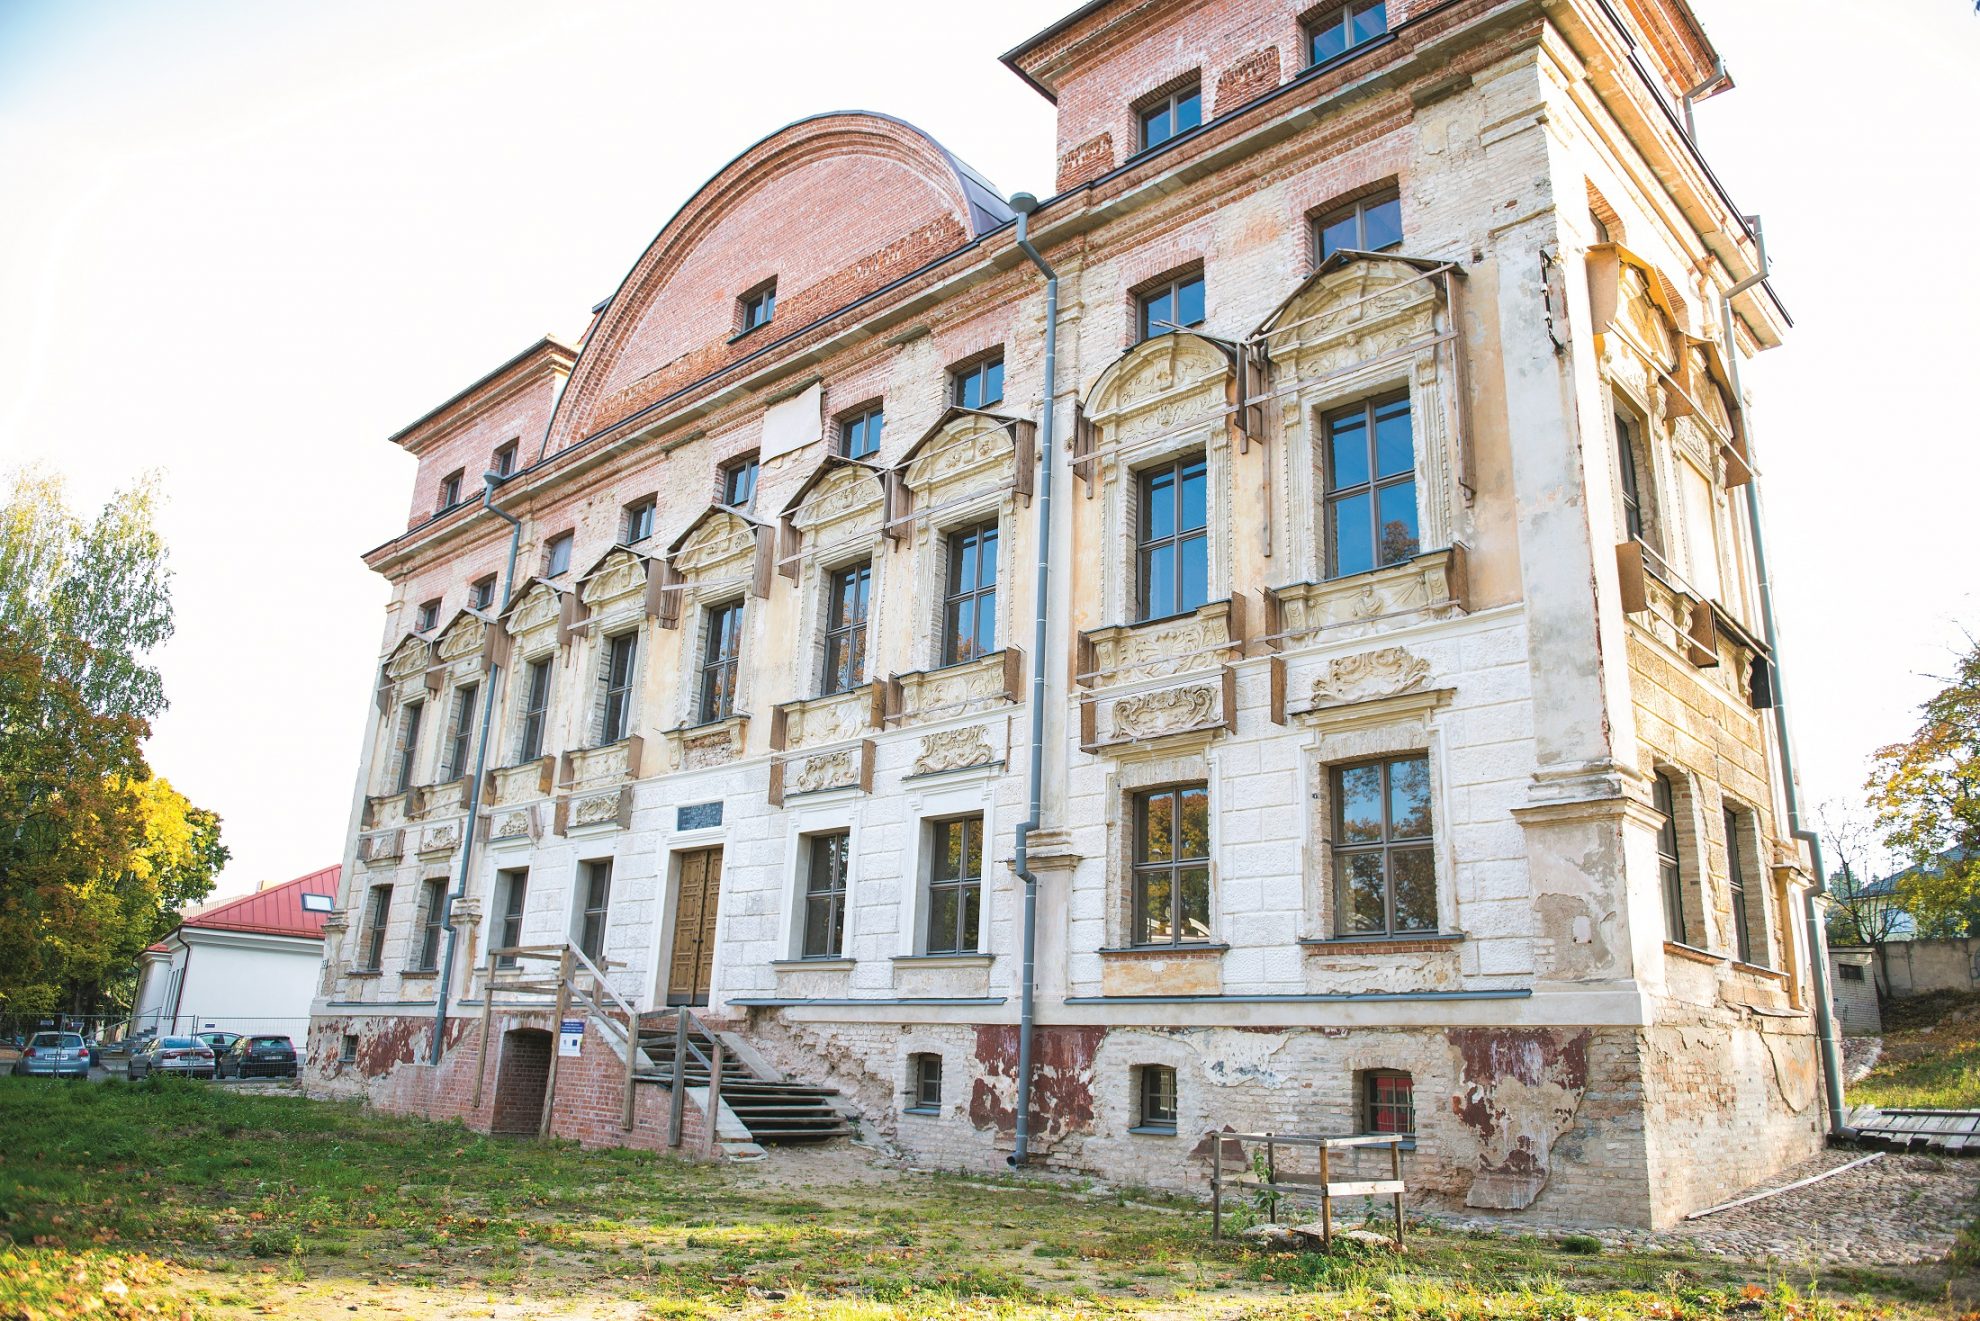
x,y
381,1059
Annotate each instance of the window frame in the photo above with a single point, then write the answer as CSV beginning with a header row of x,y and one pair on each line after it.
x,y
1357,210
461,736
1370,410
411,714
1370,1102
827,873
644,510
867,422
555,549
1386,847
729,473
1156,1107
982,542
1670,857
594,912
535,711
377,918
1170,287
977,370
427,616
620,679
924,1084
347,1052
1169,103
761,297
503,461
481,592
848,587
1342,17
508,918
1737,889
1141,868
1182,541
450,490
966,934
718,673
432,916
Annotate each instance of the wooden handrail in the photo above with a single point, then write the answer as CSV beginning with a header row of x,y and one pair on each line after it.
x,y
1328,1187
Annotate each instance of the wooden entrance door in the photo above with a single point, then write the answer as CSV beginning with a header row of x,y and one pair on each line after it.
x,y
696,900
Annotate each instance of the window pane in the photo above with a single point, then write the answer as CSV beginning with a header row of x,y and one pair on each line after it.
x,y
1395,451
818,927
1361,892
972,905
1159,581
986,555
1155,914
985,640
1158,504
993,382
1156,310
1347,437
1194,883
1414,875
1195,563
1370,22
1359,813
1155,126
1189,302
942,916
1398,522
1409,798
1382,224
949,842
1195,480
1189,111
1157,843
1338,234
1195,824
1353,548
1328,41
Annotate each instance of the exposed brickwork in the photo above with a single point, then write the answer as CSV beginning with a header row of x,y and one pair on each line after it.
x,y
1089,160
1251,76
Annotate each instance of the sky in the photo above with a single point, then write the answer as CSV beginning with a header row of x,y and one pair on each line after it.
x,y
242,243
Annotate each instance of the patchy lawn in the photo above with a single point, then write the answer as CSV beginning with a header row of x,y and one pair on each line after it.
x,y
1931,1054
169,1198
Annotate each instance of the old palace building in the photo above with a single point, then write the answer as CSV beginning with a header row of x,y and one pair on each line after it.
x,y
1295,589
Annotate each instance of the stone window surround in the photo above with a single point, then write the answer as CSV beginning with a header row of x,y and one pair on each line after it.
x,y
1758,884
800,826
1403,734
1184,759
604,630
946,804
955,1073
932,569
1617,400
580,893
518,698
814,587
1687,804
1119,573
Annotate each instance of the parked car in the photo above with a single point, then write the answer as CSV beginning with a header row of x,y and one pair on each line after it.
x,y
188,1056
53,1055
258,1057
219,1042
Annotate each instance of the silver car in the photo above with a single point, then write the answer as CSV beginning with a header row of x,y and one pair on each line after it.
x,y
54,1055
184,1056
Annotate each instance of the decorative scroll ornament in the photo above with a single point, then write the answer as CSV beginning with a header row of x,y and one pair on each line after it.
x,y
1381,673
512,825
953,749
622,574
409,660
827,771
534,610
592,811
463,639
1165,711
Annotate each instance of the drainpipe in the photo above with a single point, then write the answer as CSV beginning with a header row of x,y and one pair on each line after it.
x,y
489,482
1024,204
1715,82
1818,956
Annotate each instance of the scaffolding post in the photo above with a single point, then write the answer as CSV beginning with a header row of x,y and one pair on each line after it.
x,y
556,1051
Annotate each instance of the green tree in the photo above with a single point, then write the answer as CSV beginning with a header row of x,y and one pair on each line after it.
x,y
1925,792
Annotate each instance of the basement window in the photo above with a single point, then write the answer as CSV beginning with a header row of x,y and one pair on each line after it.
x,y
1388,1102
925,1084
1155,1100
348,1054
1850,972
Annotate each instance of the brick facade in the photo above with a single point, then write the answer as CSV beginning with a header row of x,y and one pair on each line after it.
x,y
1578,1050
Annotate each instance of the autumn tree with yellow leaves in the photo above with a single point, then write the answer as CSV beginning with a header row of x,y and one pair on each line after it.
x,y
1926,794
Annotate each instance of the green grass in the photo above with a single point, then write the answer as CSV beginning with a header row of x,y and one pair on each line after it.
x,y
1931,1054
206,1202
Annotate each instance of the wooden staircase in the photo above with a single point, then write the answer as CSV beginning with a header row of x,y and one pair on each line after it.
x,y
772,1109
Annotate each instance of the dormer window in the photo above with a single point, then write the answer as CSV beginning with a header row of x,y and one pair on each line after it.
x,y
1334,32
505,459
1172,115
757,307
450,489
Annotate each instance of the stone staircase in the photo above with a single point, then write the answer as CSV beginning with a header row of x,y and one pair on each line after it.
x,y
774,1110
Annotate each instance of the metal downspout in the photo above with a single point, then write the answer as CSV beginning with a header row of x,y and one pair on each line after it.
x,y
489,482
1818,956
1024,204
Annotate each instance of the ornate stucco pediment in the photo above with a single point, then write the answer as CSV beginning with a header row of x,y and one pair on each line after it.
x,y
463,637
620,574
1383,672
954,750
535,607
1165,711
719,539
1351,311
409,659
1162,383
842,497
964,445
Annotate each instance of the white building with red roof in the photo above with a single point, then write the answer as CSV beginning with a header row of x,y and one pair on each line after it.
x,y
247,964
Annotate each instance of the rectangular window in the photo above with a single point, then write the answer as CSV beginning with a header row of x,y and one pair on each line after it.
x,y
1342,30
1172,539
721,651
845,628
1371,487
1736,883
955,885
1388,1102
639,521
348,1053
1172,866
432,911
1384,864
1371,225
969,604
1670,863
619,655
1155,1100
408,744
377,913
739,482
1632,490
925,1079
859,434
514,888
825,895
1850,972
758,306
429,615
597,894
481,593
981,385
450,489
557,555
1177,305
505,459
460,732
536,709
1171,116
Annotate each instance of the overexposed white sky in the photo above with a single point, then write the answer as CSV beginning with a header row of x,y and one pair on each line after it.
x,y
244,242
